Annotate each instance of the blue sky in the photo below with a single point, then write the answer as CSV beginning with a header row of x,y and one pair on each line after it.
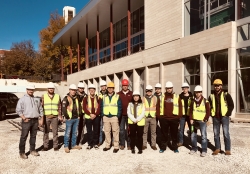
x,y
23,19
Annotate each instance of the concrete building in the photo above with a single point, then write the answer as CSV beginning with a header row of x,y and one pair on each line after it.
x,y
157,41
68,13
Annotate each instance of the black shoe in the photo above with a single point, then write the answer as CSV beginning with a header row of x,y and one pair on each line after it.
x,y
56,149
45,149
133,151
140,152
115,150
106,149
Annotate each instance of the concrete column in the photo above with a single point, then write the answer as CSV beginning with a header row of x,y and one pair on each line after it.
x,y
162,75
62,74
86,86
108,79
96,83
203,75
70,55
87,48
116,82
232,75
146,78
136,80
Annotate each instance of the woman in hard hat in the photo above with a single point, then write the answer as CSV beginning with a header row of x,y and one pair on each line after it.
x,y
136,121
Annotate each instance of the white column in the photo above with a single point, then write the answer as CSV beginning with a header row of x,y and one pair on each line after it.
x,y
146,78
162,74
232,76
203,75
136,80
116,82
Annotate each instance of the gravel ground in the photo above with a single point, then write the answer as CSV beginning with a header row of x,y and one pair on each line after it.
x,y
98,161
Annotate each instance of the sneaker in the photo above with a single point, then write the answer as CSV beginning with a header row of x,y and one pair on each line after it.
x,y
144,147
176,151
203,154
216,152
122,147
192,152
228,152
77,147
133,151
66,149
23,156
154,148
161,151
89,147
179,144
115,150
106,149
96,147
140,152
35,153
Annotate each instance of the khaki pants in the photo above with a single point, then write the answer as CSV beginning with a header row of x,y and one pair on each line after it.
x,y
152,123
113,123
54,123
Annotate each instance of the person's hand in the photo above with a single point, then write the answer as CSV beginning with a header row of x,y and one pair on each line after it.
x,y
26,120
60,118
192,121
92,116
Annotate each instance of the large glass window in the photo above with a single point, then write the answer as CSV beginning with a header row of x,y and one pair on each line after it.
x,y
137,43
120,50
243,8
192,71
105,55
243,80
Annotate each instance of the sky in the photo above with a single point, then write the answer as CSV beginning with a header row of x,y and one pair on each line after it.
x,y
23,19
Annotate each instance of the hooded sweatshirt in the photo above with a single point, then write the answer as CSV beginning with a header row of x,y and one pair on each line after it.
x,y
29,107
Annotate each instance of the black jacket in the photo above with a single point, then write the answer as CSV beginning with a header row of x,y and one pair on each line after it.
x,y
186,101
65,104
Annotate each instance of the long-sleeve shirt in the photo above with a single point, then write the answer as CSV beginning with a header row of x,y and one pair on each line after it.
x,y
135,117
126,97
59,104
198,103
65,104
119,105
85,103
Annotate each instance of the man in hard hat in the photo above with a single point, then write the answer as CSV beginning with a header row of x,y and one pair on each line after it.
x,y
199,115
158,93
111,110
30,110
186,97
169,111
103,91
80,96
149,102
71,111
126,97
91,109
53,111
222,106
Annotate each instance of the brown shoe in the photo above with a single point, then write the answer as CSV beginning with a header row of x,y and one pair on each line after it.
x,y
179,144
154,148
56,149
144,147
99,145
66,150
122,147
129,148
216,152
45,149
228,152
35,153
23,156
77,147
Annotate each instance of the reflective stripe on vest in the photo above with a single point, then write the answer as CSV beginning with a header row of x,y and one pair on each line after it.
x,y
51,105
176,104
110,107
188,107
162,97
223,104
139,111
199,112
70,106
150,110
89,106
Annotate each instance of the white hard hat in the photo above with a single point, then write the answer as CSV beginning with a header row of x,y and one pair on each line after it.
x,y
103,83
169,85
30,86
158,85
80,85
51,85
91,86
149,87
73,86
185,85
136,93
198,88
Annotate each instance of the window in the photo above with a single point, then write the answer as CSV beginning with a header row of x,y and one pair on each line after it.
x,y
243,32
243,8
192,71
137,43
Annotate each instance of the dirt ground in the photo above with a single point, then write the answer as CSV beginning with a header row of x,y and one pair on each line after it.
x,y
98,161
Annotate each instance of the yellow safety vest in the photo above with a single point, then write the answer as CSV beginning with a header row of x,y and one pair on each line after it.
x,y
150,110
162,97
199,112
223,104
110,107
51,105
139,111
70,106
175,105
89,106
183,106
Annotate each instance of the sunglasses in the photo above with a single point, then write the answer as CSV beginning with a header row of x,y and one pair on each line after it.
x,y
216,85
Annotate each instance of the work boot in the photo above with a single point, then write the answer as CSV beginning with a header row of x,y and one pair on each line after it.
x,y
35,153
77,147
144,147
228,152
122,147
66,149
56,149
216,152
115,150
154,148
140,152
45,149
23,156
129,148
179,144
106,149
133,151
99,144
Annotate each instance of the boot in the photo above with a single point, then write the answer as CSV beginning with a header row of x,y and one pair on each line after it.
x,y
216,152
228,152
66,149
122,147
144,147
35,153
154,148
133,151
77,147
23,156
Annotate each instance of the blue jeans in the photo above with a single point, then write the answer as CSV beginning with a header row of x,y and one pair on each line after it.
x,y
93,131
101,130
123,132
183,120
224,121
71,124
203,129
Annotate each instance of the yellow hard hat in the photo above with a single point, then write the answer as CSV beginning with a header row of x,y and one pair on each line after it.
x,y
111,85
217,82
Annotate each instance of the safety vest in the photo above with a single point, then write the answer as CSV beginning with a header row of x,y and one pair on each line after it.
x,y
162,97
101,95
188,107
51,105
89,106
70,106
150,109
175,105
82,101
199,112
110,107
223,104
139,111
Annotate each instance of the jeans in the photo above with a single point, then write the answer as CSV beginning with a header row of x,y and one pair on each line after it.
x,y
81,126
203,129
93,131
29,126
136,132
54,123
71,124
166,126
224,121
101,130
123,132
183,120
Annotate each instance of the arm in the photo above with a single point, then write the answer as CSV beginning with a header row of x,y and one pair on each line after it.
x,y
131,116
210,102
41,109
65,104
20,108
207,112
191,110
180,107
157,107
230,104
98,109
142,114
84,104
59,108
101,107
119,104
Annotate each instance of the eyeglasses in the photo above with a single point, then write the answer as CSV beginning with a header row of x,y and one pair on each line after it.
x,y
217,86
148,90
168,88
80,88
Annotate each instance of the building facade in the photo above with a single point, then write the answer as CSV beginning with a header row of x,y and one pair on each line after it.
x,y
149,42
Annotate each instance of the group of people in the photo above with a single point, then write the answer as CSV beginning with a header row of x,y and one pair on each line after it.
x,y
126,116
